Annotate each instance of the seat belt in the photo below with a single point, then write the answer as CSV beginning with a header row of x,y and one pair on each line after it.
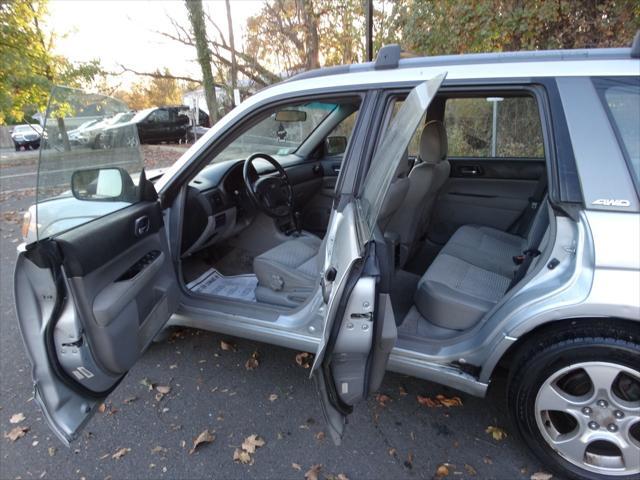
x,y
523,222
531,252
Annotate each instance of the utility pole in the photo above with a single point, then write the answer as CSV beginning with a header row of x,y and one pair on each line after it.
x,y
369,32
234,66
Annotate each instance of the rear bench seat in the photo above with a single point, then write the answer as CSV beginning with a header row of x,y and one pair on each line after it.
x,y
473,271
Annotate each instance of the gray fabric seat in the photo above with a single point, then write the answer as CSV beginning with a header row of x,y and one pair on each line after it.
x,y
289,272
425,181
472,273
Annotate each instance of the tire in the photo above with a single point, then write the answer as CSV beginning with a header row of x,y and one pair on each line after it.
x,y
593,371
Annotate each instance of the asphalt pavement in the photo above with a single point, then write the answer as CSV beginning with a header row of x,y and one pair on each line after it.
x,y
143,433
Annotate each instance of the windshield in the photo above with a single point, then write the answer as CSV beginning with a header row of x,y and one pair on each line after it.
x,y
27,128
281,133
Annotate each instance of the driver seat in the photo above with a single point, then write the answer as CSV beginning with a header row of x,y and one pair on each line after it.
x,y
288,273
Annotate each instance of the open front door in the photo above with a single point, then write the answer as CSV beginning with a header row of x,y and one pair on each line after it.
x,y
359,329
94,282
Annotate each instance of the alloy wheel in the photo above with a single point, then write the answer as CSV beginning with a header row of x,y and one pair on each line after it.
x,y
589,413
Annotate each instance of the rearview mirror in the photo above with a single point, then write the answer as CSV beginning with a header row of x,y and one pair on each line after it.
x,y
102,184
290,116
335,145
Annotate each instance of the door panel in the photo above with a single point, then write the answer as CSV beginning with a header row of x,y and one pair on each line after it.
x,y
316,212
359,327
492,193
89,302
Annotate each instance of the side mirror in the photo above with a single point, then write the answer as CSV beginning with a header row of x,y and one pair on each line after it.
x,y
335,145
291,116
103,185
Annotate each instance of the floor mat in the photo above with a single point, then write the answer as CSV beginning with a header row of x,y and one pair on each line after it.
x,y
212,282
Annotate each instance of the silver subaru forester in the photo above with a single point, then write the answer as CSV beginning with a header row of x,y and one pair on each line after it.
x,y
438,217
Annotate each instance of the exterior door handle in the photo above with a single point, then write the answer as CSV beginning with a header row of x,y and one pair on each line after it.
x,y
142,226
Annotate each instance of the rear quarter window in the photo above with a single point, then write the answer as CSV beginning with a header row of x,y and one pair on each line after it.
x,y
620,97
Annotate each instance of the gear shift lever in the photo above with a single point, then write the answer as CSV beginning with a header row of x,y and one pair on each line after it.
x,y
297,224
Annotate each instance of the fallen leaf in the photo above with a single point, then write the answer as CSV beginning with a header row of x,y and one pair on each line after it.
x,y
129,400
487,461
163,389
342,476
52,451
449,402
393,452
158,449
204,437
541,476
442,471
102,408
304,359
296,466
470,470
273,397
403,391
252,363
120,453
313,472
147,383
241,456
383,399
17,418
159,396
252,442
497,433
228,346
320,436
439,401
409,461
16,433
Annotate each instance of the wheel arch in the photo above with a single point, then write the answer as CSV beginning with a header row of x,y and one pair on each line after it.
x,y
616,327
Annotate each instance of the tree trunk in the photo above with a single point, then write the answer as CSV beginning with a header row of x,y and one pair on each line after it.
x,y
196,17
234,64
312,40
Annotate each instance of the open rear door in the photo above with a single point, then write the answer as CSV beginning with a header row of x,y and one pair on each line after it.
x,y
94,282
359,329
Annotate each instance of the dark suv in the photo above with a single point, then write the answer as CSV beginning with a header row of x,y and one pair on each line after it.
x,y
154,125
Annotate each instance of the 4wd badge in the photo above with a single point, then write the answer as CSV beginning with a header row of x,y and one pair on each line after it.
x,y
610,202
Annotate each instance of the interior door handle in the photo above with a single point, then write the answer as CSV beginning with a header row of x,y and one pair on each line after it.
x,y
471,170
141,226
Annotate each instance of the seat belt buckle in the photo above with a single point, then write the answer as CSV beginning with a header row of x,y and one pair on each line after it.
x,y
518,259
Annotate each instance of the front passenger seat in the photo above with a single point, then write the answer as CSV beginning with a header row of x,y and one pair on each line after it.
x,y
289,272
410,221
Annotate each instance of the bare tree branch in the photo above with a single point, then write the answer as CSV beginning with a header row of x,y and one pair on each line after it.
x,y
156,75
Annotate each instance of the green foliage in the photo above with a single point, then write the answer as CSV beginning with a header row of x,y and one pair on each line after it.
x,y
431,27
28,66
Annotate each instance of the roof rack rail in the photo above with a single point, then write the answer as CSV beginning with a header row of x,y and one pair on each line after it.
x,y
635,46
388,57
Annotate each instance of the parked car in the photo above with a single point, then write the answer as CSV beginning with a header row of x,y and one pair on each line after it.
x,y
26,136
439,217
90,133
154,125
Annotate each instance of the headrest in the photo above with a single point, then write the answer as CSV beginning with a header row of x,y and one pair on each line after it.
x,y
433,142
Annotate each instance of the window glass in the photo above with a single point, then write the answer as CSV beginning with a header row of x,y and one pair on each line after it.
x,y
281,133
88,167
414,145
157,116
494,127
390,150
621,97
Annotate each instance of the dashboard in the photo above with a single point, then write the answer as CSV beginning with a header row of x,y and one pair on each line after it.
x,y
217,206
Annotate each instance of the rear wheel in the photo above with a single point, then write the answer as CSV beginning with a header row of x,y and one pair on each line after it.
x,y
575,399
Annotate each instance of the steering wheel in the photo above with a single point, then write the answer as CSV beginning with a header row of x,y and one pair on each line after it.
x,y
271,194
